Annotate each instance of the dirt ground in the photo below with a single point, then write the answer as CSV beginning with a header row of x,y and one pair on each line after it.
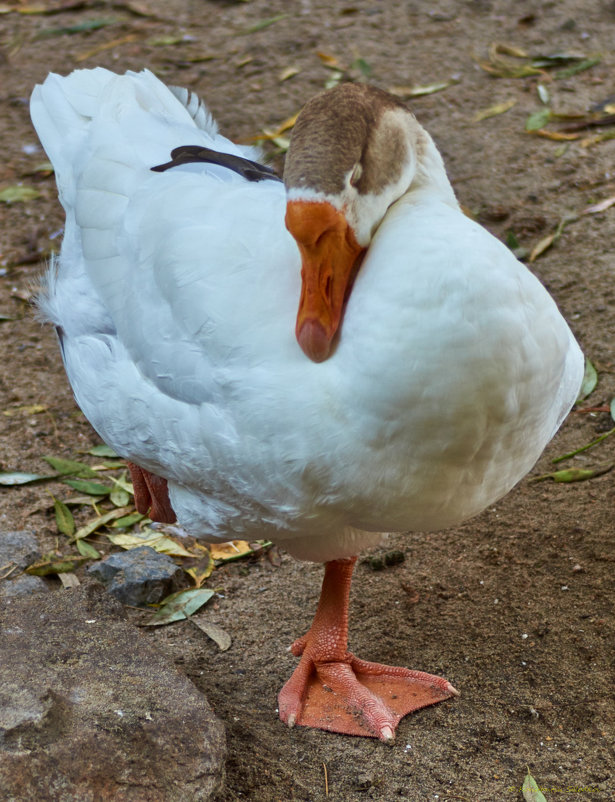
x,y
515,607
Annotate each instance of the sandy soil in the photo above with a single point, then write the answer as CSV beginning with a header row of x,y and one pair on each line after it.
x,y
515,607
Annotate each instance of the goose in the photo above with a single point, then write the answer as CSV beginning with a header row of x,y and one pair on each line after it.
x,y
316,360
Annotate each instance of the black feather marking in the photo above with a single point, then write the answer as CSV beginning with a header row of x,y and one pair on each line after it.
x,y
192,154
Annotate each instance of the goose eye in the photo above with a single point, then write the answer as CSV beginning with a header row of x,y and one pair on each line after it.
x,y
356,174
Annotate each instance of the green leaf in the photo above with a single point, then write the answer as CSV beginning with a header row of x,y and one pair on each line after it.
x,y
87,550
60,565
18,194
81,27
91,488
179,606
129,520
18,478
587,446
576,68
574,474
264,23
70,467
102,520
531,791
363,67
538,119
64,517
590,380
124,484
119,497
102,451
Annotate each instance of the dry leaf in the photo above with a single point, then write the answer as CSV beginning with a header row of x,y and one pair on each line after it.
x,y
492,111
32,409
148,537
231,550
601,206
213,631
69,580
289,72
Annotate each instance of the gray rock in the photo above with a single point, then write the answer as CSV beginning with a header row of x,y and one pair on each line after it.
x,y
139,576
91,711
23,586
20,548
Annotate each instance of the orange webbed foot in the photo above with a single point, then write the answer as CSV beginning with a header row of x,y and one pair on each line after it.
x,y
333,690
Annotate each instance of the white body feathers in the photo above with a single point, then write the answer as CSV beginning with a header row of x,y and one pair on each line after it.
x,y
176,295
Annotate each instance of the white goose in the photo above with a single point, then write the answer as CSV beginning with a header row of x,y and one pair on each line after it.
x,y
175,301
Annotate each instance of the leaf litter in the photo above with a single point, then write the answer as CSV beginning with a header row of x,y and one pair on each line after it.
x,y
124,527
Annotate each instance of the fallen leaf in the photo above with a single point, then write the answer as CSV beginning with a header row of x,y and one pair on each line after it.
x,y
18,194
70,467
87,550
546,242
586,447
129,520
289,72
569,475
557,136
492,111
586,64
60,565
538,119
119,497
18,478
590,380
180,605
419,91
543,93
202,570
531,791
102,520
32,409
264,23
148,537
601,206
541,246
328,60
64,517
106,46
80,27
91,488
69,580
102,451
232,550
217,634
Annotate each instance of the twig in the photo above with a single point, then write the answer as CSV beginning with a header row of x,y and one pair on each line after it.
x,y
585,447
324,765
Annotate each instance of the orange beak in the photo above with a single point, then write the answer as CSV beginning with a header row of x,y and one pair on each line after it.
x,y
330,256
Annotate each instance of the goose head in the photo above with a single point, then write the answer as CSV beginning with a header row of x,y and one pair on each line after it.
x,y
354,151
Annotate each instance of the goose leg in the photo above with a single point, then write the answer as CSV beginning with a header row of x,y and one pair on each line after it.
x,y
151,495
331,689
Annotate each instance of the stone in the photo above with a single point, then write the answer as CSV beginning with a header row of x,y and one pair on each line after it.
x,y
23,586
139,576
20,548
90,710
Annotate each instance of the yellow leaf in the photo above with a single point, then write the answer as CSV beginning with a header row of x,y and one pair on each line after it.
x,y
328,60
289,72
33,409
230,550
107,46
541,246
155,540
557,136
492,111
